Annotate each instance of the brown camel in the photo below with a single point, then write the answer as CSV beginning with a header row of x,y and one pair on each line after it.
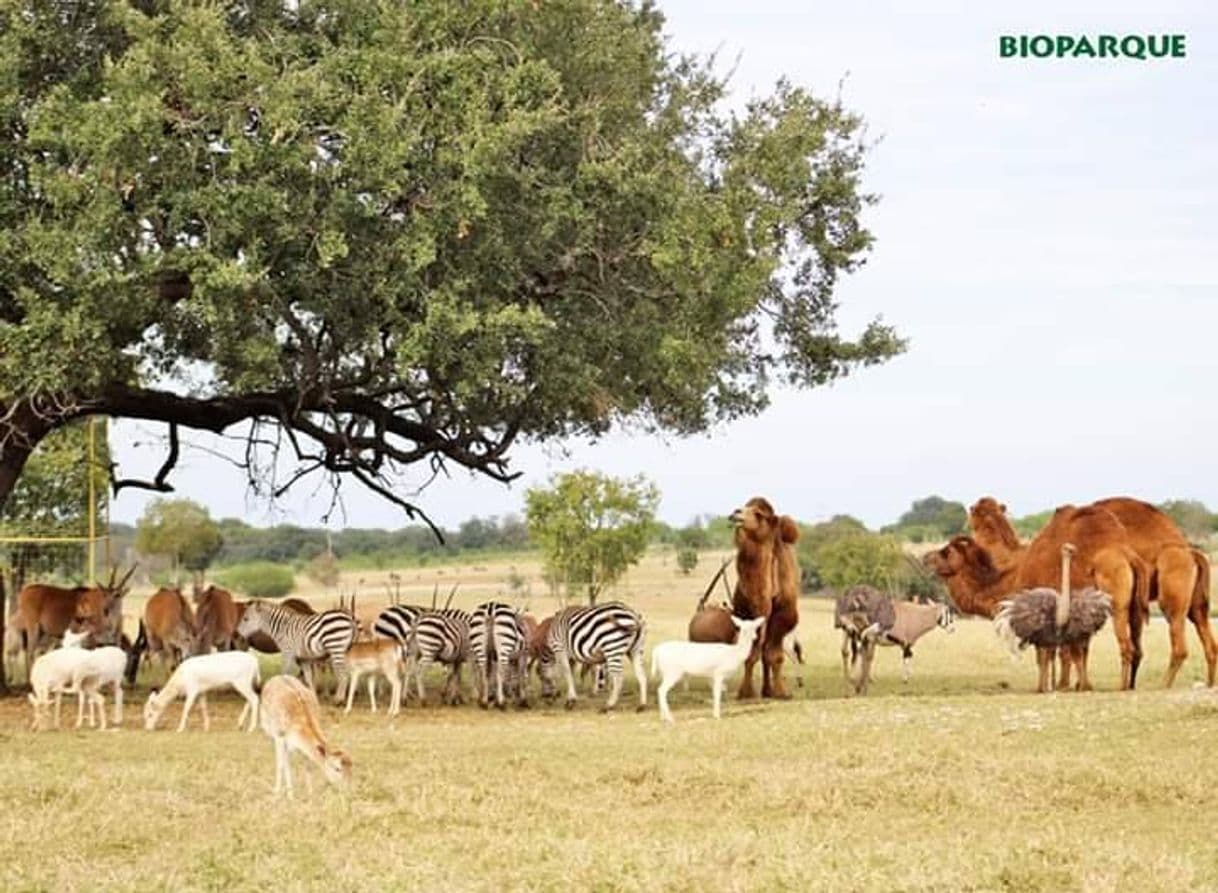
x,y
1180,574
978,584
767,585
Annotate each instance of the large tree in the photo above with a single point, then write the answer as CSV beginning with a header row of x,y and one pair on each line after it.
x,y
388,234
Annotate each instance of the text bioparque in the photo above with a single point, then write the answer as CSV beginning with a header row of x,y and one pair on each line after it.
x,y
1096,46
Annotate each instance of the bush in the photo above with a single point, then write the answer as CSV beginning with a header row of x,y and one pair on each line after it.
x,y
687,559
259,579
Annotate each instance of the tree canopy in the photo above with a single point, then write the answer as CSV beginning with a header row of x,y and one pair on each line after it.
x,y
182,530
392,234
591,527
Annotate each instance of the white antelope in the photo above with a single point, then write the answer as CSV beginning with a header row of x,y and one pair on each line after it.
x,y
375,657
104,666
290,717
196,676
714,660
56,673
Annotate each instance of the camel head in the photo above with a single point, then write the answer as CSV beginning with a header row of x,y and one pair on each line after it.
x,y
988,519
961,554
755,520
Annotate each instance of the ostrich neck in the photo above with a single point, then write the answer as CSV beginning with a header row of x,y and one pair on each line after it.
x,y
1063,600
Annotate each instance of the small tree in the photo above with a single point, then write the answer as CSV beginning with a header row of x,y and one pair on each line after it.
x,y
591,527
182,531
687,559
872,558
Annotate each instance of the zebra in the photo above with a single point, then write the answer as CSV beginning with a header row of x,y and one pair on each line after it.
x,y
606,633
304,637
498,641
442,637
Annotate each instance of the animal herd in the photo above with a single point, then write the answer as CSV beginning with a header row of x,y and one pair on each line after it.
x,y
1112,559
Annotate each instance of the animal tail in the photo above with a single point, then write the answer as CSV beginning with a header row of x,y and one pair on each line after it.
x,y
1002,627
1141,583
1201,589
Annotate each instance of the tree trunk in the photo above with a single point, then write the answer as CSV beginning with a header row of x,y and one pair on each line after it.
x,y
25,431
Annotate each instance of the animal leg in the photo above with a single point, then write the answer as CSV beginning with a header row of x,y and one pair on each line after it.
x,y
662,696
246,690
1179,647
190,702
355,674
1199,614
118,702
98,700
846,654
640,674
717,693
58,701
906,663
615,682
371,689
395,694
747,691
287,767
565,663
206,717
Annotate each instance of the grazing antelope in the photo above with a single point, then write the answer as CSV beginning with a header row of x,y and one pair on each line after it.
x,y
608,633
198,675
56,673
168,629
215,620
104,666
377,656
290,717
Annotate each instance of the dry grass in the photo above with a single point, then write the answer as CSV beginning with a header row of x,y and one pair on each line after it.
x,y
960,780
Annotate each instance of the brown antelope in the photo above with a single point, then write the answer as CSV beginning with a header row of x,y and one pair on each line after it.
x,y
168,627
215,619
375,657
44,612
290,717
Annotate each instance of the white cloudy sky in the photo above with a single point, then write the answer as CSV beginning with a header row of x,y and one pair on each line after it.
x,y
1047,239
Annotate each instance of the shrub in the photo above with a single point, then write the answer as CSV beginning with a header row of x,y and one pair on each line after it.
x,y
259,579
687,559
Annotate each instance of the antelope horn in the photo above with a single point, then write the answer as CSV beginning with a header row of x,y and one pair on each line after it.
x,y
127,576
714,580
435,591
450,596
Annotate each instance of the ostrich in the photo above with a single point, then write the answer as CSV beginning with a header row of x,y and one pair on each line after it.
x,y
1050,620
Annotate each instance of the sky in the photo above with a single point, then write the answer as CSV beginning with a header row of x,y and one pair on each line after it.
x,y
1046,238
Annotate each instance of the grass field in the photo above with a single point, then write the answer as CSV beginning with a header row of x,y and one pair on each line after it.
x,y
960,780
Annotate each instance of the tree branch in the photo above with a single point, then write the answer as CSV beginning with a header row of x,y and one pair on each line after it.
x,y
159,484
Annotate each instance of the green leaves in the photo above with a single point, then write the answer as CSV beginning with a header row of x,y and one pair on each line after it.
x,y
492,219
591,527
181,530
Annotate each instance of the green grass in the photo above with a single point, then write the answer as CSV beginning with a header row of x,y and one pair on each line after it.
x,y
961,780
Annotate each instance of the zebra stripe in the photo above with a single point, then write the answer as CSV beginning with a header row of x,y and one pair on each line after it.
x,y
439,637
498,643
305,637
396,621
606,633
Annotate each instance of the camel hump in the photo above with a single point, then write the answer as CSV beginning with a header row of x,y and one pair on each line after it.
x,y
788,529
